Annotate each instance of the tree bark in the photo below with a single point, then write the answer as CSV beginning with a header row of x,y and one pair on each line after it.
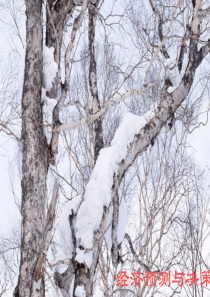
x,y
114,250
35,159
98,142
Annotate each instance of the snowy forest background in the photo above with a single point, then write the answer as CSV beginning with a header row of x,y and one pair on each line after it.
x,y
118,195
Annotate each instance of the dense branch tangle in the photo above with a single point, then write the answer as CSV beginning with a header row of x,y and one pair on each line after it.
x,y
168,106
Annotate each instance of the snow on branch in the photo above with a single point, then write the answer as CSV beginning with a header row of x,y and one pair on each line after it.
x,y
65,233
50,68
80,291
98,190
48,107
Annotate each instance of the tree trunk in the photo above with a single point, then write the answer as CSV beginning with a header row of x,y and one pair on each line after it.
x,y
35,160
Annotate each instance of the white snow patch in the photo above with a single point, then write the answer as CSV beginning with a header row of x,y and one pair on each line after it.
x,y
48,107
50,67
61,268
84,257
80,291
184,64
64,226
121,221
171,89
98,190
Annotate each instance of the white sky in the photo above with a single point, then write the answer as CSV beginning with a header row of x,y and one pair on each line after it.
x,y
8,208
200,141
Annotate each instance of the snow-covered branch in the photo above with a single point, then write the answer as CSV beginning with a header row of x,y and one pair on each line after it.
x,y
98,190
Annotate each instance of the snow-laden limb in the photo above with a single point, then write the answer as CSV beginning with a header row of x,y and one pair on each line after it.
x,y
80,291
65,235
50,67
98,190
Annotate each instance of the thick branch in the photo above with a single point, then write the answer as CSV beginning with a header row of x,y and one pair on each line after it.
x,y
196,21
56,123
99,143
166,110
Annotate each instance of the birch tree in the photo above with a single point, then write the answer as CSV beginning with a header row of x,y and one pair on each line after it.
x,y
174,42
